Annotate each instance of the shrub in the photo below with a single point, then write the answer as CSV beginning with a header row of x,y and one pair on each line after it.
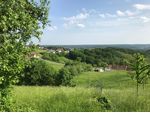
x,y
50,56
105,103
70,70
39,73
64,77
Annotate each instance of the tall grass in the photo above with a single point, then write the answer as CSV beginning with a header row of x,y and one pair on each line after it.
x,y
55,99
126,100
117,87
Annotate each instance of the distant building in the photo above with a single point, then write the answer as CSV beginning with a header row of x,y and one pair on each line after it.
x,y
99,69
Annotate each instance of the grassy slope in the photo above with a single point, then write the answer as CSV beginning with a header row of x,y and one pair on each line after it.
x,y
112,79
57,66
118,88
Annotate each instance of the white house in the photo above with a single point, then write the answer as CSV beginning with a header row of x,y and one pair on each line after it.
x,y
99,69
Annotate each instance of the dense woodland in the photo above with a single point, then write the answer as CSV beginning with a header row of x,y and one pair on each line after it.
x,y
98,56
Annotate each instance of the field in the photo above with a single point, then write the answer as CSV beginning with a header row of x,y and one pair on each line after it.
x,y
55,99
113,79
116,86
55,65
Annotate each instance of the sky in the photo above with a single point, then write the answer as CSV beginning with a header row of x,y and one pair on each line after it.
x,y
75,22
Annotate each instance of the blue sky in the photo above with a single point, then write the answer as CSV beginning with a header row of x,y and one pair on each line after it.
x,y
98,22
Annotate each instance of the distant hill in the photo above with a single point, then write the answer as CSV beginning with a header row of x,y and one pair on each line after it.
x,y
128,46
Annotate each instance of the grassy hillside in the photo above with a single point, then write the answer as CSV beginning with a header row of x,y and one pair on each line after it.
x,y
117,87
56,65
112,79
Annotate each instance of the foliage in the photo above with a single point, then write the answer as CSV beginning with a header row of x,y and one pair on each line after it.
x,y
105,103
141,70
102,56
70,70
50,56
64,77
39,72
42,72
19,21
118,89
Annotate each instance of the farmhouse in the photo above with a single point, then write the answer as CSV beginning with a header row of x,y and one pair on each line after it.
x,y
99,69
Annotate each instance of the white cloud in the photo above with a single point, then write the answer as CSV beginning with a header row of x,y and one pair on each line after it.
x,y
76,20
142,6
82,16
129,13
145,19
102,15
78,17
52,28
120,13
107,15
125,13
81,25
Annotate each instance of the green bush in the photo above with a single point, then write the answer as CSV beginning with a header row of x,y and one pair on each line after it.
x,y
50,56
64,77
70,70
39,73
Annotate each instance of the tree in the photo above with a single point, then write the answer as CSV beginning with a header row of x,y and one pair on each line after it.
x,y
40,72
64,77
104,65
141,70
20,20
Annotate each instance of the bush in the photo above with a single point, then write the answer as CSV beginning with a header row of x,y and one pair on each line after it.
x,y
105,103
39,73
70,70
64,77
50,56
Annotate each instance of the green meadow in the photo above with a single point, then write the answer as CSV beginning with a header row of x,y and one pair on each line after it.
x,y
55,65
116,86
